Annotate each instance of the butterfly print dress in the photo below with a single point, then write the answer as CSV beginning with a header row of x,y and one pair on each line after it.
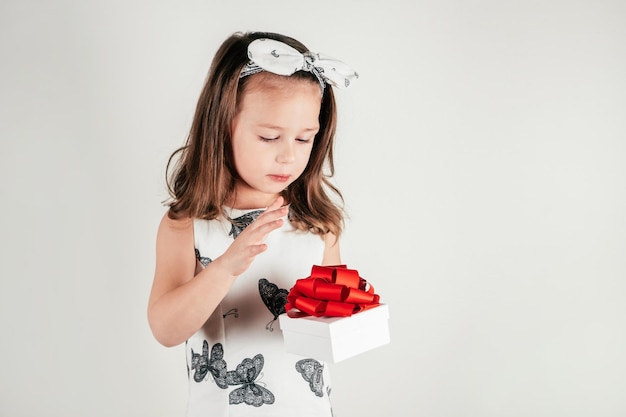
x,y
236,362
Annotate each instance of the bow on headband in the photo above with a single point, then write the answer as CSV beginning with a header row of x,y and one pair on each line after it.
x,y
279,58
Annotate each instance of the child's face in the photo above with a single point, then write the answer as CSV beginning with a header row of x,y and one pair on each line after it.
x,y
272,136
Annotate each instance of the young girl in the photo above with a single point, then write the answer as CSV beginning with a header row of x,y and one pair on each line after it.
x,y
250,213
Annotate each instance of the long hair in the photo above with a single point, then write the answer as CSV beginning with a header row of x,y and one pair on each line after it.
x,y
201,174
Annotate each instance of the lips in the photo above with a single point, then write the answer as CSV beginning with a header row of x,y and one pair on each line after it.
x,y
279,178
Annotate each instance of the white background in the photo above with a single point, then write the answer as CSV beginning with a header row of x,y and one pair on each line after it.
x,y
482,156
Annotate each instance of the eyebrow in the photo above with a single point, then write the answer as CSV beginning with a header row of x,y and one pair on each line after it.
x,y
306,129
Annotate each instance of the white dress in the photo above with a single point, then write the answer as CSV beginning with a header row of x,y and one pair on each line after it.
x,y
236,362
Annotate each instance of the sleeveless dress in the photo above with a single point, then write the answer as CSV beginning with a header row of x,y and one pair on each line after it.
x,y
236,362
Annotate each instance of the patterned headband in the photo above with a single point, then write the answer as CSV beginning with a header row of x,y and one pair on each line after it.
x,y
279,58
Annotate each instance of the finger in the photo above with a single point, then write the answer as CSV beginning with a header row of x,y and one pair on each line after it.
x,y
257,249
272,213
276,204
258,231
266,228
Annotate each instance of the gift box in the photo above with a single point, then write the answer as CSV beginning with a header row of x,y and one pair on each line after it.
x,y
333,339
333,315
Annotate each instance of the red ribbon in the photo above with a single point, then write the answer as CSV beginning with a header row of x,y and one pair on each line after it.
x,y
333,291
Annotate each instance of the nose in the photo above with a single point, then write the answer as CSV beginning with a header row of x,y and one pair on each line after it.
x,y
286,153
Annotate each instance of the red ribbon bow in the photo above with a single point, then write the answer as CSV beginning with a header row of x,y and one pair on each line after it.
x,y
333,291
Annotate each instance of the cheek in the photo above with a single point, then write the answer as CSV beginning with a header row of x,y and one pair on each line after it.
x,y
304,156
243,159
247,161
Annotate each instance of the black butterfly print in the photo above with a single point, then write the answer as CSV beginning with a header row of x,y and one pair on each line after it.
x,y
240,223
232,312
249,392
274,298
200,362
202,365
312,372
202,259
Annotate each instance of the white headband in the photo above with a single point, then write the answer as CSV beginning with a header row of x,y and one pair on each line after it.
x,y
279,58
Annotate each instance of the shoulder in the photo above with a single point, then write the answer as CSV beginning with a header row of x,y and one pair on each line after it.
x,y
174,231
175,256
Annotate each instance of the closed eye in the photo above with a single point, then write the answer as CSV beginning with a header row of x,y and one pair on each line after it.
x,y
267,139
303,140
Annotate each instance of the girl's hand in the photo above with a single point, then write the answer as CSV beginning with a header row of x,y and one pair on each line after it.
x,y
182,298
240,254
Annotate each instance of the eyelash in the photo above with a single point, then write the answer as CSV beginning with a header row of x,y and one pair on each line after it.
x,y
272,139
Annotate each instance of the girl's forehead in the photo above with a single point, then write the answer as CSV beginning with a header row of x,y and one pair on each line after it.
x,y
286,100
271,83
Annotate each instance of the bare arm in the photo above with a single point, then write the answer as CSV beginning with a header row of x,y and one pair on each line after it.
x,y
181,301
332,255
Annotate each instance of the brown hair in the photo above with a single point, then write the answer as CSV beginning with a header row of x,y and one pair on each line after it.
x,y
203,176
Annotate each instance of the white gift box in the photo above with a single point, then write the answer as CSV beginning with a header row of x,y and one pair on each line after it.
x,y
333,339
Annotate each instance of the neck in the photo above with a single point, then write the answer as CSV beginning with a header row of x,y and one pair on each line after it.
x,y
247,198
